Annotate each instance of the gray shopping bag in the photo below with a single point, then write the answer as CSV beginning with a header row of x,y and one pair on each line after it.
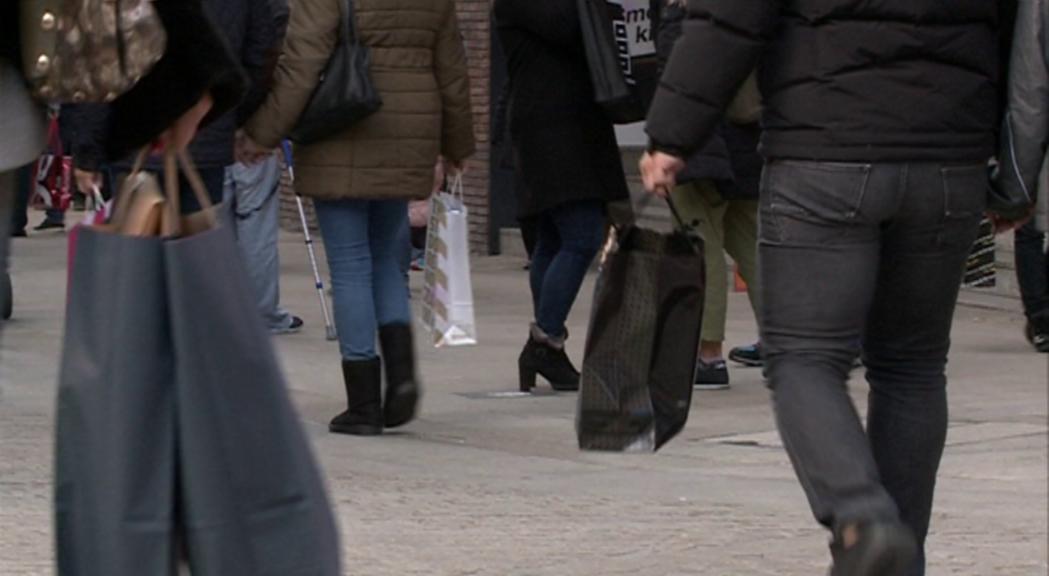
x,y
252,500
115,420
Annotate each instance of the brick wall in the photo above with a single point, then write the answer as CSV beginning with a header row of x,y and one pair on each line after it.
x,y
474,21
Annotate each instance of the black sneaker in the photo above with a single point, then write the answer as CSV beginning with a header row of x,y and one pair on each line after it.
x,y
712,375
873,549
749,356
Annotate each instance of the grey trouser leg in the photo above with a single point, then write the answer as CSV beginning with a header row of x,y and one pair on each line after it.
x,y
855,254
252,193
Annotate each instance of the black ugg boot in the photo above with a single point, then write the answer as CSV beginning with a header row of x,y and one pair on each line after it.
x,y
402,385
363,380
545,356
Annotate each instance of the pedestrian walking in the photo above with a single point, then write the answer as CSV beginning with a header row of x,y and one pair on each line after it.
x,y
362,178
1025,136
568,170
878,123
23,123
717,192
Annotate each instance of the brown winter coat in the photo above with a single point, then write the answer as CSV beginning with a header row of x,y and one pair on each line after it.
x,y
419,69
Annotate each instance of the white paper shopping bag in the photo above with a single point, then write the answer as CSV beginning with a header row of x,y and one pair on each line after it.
x,y
448,304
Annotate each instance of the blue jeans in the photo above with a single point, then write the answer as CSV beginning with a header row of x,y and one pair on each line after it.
x,y
568,238
254,200
872,253
364,242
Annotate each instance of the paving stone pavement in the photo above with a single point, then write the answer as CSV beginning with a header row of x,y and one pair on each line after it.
x,y
492,484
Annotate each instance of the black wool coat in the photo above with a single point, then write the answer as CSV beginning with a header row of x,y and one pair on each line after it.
x,y
565,147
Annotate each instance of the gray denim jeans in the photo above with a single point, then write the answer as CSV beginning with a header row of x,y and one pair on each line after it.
x,y
864,256
252,193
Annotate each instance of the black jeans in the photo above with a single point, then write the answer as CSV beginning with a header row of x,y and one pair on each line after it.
x,y
871,253
567,239
1032,270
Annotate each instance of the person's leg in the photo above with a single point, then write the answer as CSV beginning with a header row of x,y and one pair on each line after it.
x,y
908,335
1032,273
23,182
741,243
344,226
819,257
701,206
389,241
581,229
8,187
256,211
547,245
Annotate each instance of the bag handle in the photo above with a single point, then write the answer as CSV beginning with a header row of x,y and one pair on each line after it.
x,y
348,26
173,163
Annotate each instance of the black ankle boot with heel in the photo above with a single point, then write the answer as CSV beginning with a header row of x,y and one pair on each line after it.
x,y
402,384
363,417
546,357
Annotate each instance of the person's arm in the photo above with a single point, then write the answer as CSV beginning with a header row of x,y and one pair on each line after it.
x,y
453,81
1025,131
696,86
313,30
267,24
555,21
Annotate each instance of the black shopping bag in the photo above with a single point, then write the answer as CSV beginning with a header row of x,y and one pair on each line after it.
x,y
621,54
176,436
636,387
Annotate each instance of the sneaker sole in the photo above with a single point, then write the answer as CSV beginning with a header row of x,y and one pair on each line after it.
x,y
747,362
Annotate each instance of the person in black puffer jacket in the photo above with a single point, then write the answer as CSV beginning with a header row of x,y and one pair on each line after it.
x,y
718,194
879,119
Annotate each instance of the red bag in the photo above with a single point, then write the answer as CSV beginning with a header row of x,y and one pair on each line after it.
x,y
54,173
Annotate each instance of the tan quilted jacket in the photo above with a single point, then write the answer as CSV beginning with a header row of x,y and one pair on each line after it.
x,y
419,69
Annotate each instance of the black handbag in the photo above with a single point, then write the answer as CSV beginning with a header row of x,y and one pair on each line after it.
x,y
623,82
345,94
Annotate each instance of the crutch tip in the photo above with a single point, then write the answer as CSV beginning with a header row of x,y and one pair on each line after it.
x,y
332,336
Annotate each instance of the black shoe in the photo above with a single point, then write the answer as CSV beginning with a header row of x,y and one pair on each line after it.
x,y
50,225
363,417
402,384
712,376
877,549
541,357
20,233
749,356
1038,332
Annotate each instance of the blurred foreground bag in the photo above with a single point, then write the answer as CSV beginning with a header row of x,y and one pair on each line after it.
x,y
636,387
175,433
448,301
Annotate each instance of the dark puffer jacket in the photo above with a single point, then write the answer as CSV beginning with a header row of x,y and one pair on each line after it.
x,y
842,80
730,157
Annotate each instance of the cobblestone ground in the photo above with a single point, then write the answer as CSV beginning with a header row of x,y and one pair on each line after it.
x,y
492,484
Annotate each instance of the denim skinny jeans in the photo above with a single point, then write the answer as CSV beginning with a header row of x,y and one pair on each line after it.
x,y
363,243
